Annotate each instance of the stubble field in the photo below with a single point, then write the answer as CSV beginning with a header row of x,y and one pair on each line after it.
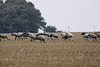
x,y
63,53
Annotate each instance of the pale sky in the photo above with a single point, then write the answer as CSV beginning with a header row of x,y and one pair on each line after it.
x,y
79,15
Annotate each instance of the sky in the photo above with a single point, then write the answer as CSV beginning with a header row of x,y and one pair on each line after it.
x,y
79,15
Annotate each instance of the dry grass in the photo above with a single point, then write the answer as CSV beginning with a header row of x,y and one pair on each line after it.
x,y
79,53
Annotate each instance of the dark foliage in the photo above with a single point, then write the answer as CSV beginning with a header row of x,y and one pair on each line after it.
x,y
20,15
50,29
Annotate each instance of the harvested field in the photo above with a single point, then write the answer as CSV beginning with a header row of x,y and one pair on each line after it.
x,y
63,53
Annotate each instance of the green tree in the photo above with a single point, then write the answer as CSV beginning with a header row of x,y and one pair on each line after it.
x,y
20,15
50,29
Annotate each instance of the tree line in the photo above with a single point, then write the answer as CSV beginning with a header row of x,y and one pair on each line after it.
x,y
21,16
